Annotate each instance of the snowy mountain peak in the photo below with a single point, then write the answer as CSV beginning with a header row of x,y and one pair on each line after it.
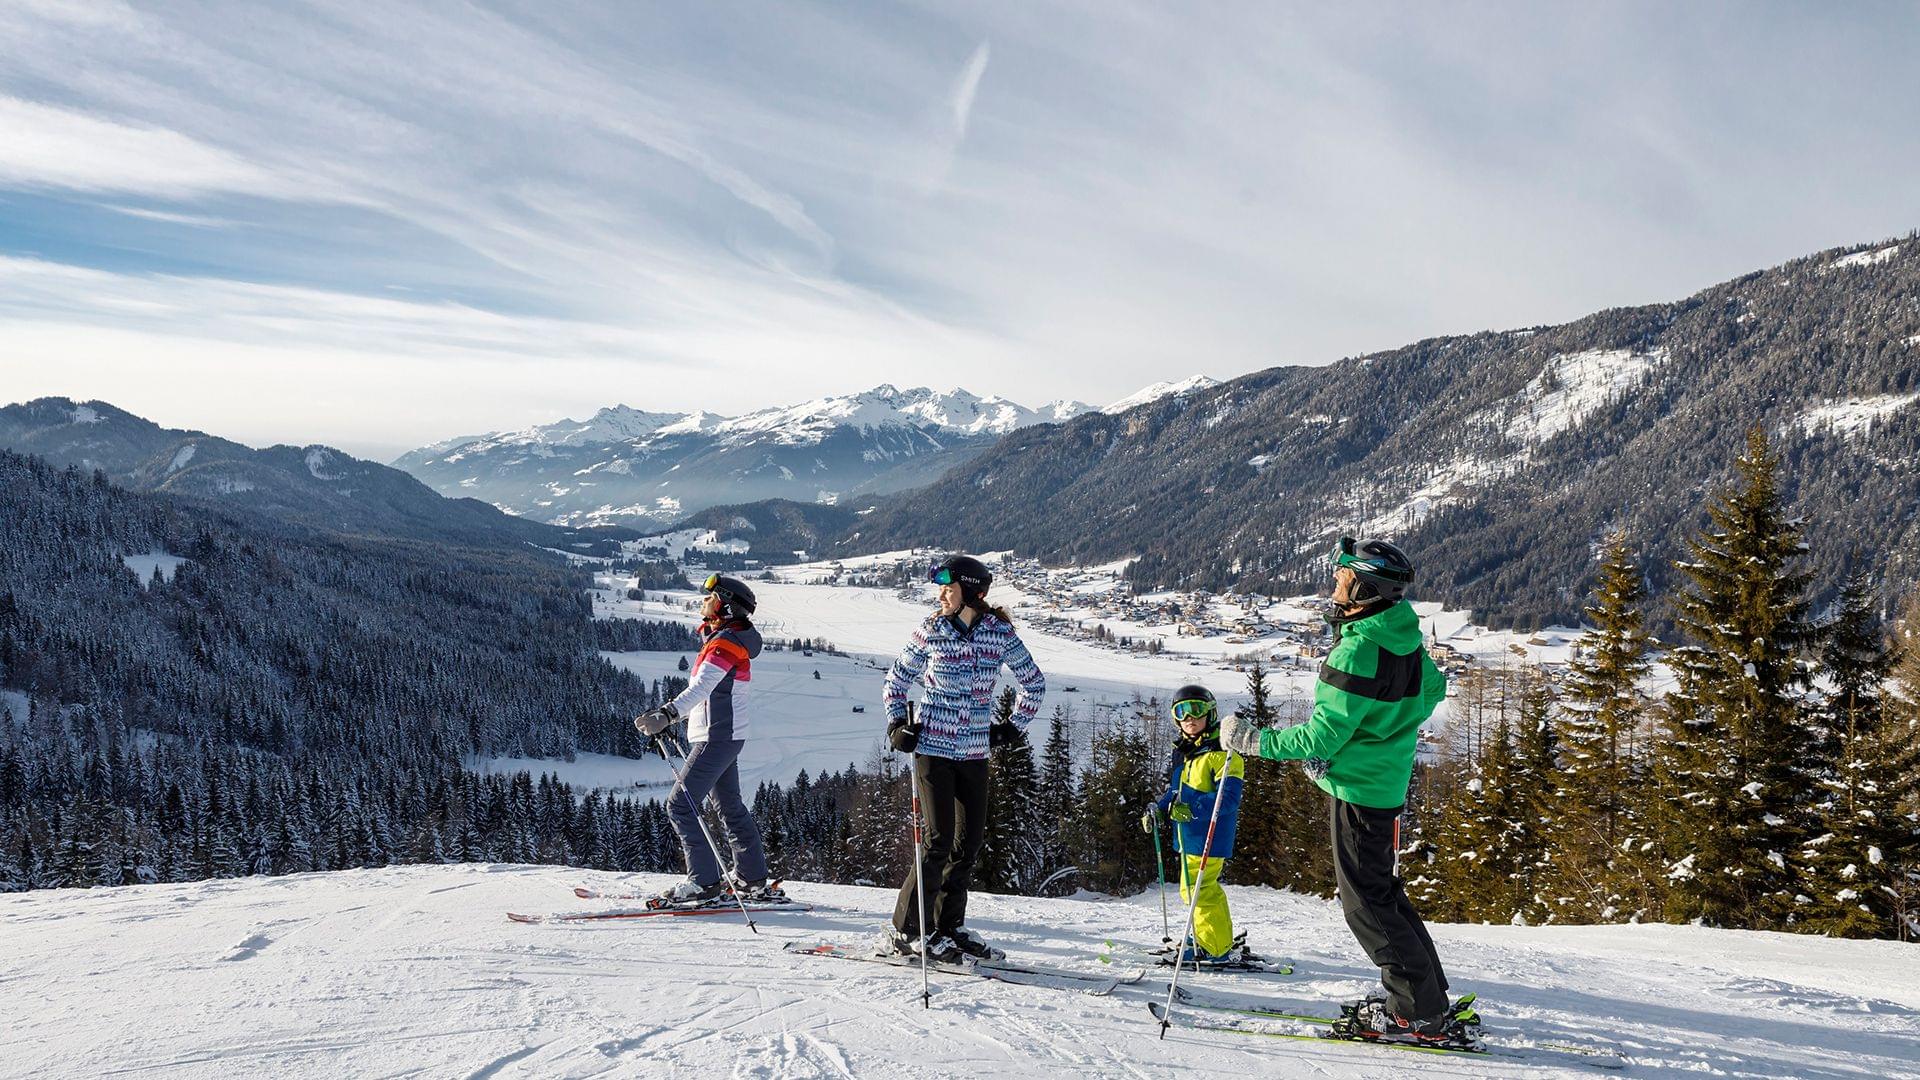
x,y
619,423
626,464
1160,390
1059,412
954,412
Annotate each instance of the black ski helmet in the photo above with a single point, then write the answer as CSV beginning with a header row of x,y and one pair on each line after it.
x,y
735,598
1384,568
969,573
1195,692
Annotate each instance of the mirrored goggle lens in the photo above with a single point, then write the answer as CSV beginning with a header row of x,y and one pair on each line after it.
x,y
1343,551
940,575
1184,709
713,582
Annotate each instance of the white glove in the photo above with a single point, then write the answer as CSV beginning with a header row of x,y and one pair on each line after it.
x,y
658,720
1239,735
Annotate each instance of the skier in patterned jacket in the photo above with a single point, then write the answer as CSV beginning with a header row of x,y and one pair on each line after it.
x,y
1376,687
955,656
716,706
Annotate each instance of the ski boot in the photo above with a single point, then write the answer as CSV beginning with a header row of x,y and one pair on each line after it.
x,y
762,892
894,943
1370,1020
1466,1018
942,949
687,894
1236,955
972,944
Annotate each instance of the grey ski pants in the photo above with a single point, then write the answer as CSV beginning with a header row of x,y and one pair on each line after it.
x,y
1379,913
712,768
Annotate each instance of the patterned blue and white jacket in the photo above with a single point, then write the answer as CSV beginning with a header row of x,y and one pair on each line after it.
x,y
957,668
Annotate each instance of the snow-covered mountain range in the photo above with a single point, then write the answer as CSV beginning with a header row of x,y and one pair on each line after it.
x,y
313,486
632,466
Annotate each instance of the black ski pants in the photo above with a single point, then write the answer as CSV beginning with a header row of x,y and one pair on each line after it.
x,y
953,800
1379,914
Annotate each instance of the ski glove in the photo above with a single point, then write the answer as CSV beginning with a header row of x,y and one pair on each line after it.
x,y
658,720
903,733
1238,734
1180,812
1002,733
1149,821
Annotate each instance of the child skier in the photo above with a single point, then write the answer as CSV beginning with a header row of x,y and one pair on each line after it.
x,y
1199,772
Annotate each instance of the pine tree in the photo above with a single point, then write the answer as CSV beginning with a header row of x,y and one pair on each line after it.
x,y
1122,777
13,876
1731,776
1059,806
1537,806
1257,851
1010,860
1470,874
1863,844
1901,741
1600,713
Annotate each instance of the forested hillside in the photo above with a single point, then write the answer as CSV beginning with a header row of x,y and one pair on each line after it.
x,y
1500,460
165,665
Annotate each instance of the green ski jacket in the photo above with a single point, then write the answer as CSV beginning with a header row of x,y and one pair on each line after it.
x,y
1376,688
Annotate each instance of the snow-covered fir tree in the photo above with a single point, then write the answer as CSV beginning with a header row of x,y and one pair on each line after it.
x,y
1258,852
1058,805
1012,859
1901,742
1600,712
1538,796
1123,775
1860,840
1483,855
1733,774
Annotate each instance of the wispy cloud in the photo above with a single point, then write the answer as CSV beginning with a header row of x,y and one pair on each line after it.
x,y
48,147
197,221
1043,201
944,127
966,87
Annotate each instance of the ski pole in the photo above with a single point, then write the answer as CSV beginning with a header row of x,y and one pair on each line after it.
x,y
733,879
1180,856
1193,902
920,881
1160,867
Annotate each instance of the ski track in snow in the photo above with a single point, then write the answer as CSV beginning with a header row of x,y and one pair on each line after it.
x,y
415,971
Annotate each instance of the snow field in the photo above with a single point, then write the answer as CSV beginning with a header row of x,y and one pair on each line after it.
x,y
415,971
143,566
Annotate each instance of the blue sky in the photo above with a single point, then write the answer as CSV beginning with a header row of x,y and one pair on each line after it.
x,y
380,225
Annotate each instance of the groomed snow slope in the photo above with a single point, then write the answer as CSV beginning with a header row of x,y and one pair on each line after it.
x,y
415,972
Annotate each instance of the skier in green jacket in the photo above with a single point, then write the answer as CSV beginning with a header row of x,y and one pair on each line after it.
x,y
1376,687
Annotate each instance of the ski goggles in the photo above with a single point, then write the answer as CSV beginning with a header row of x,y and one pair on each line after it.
x,y
1344,554
1192,707
712,583
940,575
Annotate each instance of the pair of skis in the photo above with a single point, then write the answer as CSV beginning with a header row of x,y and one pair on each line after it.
x,y
1194,1015
1163,956
1276,1023
719,905
1016,972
